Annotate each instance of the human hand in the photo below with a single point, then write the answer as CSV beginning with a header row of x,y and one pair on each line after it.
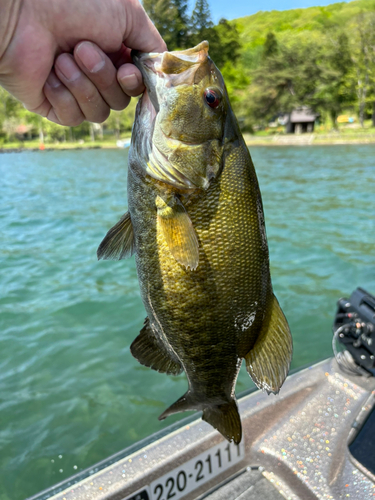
x,y
87,84
35,36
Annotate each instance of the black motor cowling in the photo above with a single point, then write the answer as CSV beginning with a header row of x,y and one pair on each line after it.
x,y
354,326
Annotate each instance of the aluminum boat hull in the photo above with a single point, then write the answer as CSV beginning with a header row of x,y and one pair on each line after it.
x,y
295,447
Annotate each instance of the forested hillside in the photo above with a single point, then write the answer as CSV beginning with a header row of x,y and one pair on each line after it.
x,y
342,14
322,57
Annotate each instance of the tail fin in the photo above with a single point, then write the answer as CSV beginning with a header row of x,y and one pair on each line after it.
x,y
182,404
226,419
223,417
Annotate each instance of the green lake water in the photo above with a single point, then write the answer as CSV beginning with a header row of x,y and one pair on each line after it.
x,y
70,392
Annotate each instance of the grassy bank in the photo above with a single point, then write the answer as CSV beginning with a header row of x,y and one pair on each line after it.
x,y
308,139
264,138
35,145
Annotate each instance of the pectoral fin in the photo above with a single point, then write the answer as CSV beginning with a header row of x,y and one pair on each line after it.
x,y
118,243
268,361
150,351
178,232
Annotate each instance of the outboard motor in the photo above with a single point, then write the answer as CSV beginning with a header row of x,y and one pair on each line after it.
x,y
354,327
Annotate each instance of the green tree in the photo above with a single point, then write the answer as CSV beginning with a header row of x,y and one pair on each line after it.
x,y
12,115
163,14
9,106
170,18
224,40
335,91
182,24
287,79
121,122
201,19
270,47
371,51
363,71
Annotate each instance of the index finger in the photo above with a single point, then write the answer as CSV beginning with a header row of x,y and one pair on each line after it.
x,y
140,33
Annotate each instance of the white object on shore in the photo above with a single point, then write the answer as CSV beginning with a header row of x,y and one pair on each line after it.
x,y
123,143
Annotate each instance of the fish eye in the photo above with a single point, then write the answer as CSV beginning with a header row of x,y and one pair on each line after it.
x,y
212,97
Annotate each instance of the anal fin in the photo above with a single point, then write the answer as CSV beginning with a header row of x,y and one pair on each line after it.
x,y
150,351
269,360
118,243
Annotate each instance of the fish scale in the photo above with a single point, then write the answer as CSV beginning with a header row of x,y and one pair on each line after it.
x,y
196,226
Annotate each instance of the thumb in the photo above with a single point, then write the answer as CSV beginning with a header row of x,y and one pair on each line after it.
x,y
25,67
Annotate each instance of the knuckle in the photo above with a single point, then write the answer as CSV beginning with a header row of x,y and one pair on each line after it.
x,y
106,84
89,97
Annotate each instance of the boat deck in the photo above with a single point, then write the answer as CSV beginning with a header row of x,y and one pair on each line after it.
x,y
295,446
250,484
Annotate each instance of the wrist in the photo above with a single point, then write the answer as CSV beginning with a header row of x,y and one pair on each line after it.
x,y
10,13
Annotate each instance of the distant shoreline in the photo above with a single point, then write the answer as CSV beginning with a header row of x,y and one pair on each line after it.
x,y
250,140
51,147
309,140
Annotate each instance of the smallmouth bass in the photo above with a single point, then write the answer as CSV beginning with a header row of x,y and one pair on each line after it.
x,y
196,226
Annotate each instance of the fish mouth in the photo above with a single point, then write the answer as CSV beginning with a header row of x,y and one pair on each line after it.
x,y
177,67
170,69
161,71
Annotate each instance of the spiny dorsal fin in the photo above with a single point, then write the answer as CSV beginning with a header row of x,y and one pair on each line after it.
x,y
269,360
178,232
118,243
150,351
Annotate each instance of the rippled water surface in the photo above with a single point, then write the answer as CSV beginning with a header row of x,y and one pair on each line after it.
x,y
70,392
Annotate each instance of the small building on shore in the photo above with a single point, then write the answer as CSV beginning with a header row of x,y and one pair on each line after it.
x,y
299,121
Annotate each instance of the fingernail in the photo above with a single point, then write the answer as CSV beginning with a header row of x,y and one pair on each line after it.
x,y
68,67
90,57
130,82
53,81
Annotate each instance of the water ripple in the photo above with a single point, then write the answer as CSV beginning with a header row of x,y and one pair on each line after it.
x,y
70,391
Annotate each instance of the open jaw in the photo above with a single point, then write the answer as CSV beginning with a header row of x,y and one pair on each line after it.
x,y
176,68
161,72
